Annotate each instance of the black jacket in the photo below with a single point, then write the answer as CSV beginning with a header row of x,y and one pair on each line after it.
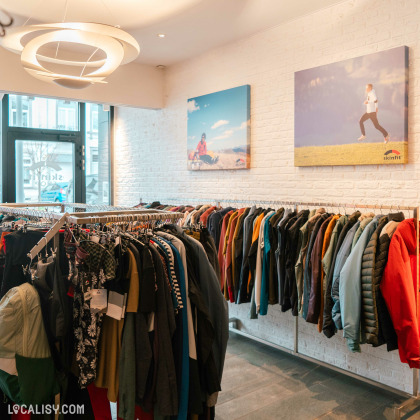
x,y
244,296
273,288
292,253
307,274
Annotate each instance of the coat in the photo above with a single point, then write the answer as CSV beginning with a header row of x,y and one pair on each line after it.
x,y
325,246
308,264
314,305
386,328
350,288
328,327
292,250
341,259
373,265
400,291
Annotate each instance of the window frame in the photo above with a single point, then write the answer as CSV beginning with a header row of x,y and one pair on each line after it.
x,y
10,134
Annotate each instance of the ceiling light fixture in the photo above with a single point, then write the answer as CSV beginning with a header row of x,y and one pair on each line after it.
x,y
161,35
118,46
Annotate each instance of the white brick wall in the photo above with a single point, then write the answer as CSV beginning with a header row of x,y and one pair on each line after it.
x,y
150,150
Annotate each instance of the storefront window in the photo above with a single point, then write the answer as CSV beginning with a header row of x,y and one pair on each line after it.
x,y
46,113
67,164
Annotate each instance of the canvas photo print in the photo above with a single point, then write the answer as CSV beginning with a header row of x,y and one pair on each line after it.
x,y
353,112
219,130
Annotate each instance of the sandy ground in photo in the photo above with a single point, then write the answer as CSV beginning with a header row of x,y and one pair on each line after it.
x,y
226,161
350,154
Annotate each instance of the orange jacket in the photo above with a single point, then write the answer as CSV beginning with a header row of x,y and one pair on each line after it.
x,y
221,255
400,291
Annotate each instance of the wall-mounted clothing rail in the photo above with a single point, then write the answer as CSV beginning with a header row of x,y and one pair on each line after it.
x,y
299,205
179,201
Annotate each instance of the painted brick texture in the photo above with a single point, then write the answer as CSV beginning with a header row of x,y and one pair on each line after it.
x,y
150,145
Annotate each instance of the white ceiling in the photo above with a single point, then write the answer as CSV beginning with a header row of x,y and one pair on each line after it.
x,y
191,26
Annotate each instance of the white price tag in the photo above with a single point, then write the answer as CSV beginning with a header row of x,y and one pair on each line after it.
x,y
98,302
115,305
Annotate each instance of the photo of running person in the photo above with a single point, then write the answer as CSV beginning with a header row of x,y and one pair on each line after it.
x,y
371,113
335,103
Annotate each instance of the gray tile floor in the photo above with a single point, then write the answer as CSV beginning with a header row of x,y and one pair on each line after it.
x,y
263,383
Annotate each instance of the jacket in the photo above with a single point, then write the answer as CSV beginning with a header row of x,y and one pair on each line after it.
x,y
373,264
206,214
386,328
228,257
302,240
281,256
237,252
265,251
364,220
252,255
308,264
243,295
273,291
221,245
351,288
328,327
314,305
300,264
399,289
259,265
341,259
213,224
325,246
292,243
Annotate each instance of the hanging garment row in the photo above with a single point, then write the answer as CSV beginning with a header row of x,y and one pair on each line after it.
x,y
354,273
131,313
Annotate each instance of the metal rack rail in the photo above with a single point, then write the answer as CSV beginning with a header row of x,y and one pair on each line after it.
x,y
81,218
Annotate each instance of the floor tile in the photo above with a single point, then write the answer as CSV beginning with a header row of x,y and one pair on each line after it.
x,y
262,383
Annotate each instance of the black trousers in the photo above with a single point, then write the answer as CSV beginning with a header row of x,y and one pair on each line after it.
x,y
371,116
207,158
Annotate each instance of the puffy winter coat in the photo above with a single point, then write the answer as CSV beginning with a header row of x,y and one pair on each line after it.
x,y
399,289
342,256
373,265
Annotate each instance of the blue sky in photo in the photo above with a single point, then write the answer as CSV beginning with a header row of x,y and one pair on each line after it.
x,y
223,116
329,99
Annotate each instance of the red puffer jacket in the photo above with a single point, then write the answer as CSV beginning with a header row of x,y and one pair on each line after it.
x,y
399,289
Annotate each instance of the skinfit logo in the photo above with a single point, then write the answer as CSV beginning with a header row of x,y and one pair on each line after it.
x,y
395,155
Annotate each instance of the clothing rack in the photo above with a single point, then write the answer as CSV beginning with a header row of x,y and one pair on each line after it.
x,y
234,322
151,215
414,396
111,216
99,207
